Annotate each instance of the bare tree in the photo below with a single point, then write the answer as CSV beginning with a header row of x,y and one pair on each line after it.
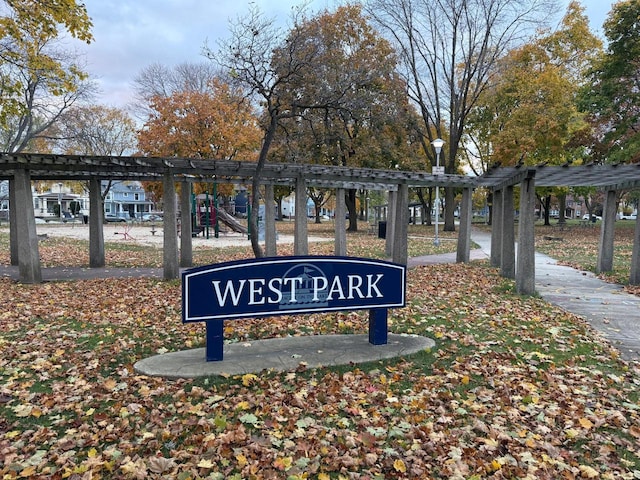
x,y
157,80
247,57
448,49
94,130
43,97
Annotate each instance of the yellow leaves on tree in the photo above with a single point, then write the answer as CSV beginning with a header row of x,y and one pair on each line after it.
x,y
528,111
47,17
34,64
217,124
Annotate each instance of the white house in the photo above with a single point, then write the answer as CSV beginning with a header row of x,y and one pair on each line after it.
x,y
126,200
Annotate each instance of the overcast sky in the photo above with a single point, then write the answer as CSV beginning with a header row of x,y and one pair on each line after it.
x,y
131,34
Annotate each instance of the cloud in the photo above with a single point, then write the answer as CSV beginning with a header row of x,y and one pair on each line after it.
x,y
129,36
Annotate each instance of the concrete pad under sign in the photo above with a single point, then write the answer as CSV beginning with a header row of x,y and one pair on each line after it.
x,y
281,354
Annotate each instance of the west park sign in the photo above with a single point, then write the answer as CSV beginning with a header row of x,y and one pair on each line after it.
x,y
275,286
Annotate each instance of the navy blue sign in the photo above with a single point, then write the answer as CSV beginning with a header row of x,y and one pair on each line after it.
x,y
290,285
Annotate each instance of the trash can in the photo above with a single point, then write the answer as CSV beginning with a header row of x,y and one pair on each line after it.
x,y
382,229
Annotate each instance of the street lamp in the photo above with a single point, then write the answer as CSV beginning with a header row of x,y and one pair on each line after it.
x,y
60,200
437,145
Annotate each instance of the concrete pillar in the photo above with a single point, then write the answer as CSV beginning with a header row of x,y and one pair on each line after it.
x,y
301,238
634,278
341,223
96,221
270,235
28,253
508,247
186,239
391,218
496,229
607,233
13,229
463,252
170,240
401,226
526,264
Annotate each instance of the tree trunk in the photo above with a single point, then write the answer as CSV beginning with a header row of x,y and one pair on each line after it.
x,y
449,209
317,206
427,205
255,188
547,207
351,208
562,200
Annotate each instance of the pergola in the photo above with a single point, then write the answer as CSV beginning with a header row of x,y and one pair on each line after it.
x,y
21,168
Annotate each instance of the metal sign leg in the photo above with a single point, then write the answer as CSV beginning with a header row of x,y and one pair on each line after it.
x,y
378,326
215,340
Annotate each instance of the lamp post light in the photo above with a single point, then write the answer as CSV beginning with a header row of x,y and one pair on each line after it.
x,y
437,145
60,200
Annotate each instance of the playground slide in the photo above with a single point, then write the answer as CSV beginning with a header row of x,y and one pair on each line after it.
x,y
230,221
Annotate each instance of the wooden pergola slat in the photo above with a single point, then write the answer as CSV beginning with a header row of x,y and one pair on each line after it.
x,y
36,166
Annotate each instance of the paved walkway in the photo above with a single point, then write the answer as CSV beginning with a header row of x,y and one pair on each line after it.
x,y
606,306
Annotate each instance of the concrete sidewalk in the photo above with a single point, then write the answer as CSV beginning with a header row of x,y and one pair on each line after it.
x,y
281,354
606,306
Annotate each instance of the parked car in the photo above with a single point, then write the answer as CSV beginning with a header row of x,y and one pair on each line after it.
x,y
151,217
593,217
628,217
112,218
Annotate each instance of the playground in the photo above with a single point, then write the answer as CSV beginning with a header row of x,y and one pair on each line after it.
x,y
145,233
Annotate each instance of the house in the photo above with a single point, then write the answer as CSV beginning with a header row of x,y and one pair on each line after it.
x,y
58,201
126,200
4,200
288,207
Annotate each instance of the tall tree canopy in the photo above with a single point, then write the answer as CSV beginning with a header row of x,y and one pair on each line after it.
x,y
528,113
361,113
612,97
158,80
298,71
38,78
217,124
93,130
449,49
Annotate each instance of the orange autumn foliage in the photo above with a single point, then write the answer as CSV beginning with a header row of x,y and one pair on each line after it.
x,y
218,124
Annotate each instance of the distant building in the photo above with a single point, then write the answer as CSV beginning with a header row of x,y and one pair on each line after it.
x,y
58,202
126,200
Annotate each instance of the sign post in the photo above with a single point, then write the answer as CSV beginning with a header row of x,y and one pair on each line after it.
x,y
276,286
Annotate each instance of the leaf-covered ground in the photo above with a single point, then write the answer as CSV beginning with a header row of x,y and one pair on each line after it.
x,y
514,389
57,251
